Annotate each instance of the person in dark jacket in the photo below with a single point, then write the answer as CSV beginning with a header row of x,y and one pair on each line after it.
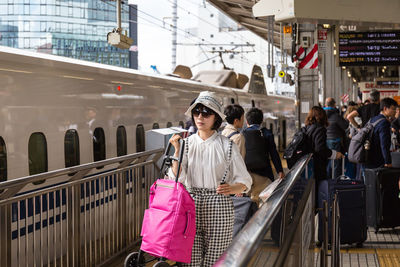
x,y
335,132
366,112
316,123
380,143
263,175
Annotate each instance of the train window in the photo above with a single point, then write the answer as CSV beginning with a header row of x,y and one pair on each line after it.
x,y
253,104
71,148
3,161
156,126
232,100
122,148
37,155
99,144
181,124
169,124
140,145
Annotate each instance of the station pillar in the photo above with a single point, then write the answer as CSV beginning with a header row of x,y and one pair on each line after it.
x,y
307,88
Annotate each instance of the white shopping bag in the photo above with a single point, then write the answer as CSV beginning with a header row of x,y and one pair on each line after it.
x,y
267,192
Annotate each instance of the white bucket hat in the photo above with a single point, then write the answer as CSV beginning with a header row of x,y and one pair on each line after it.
x,y
210,100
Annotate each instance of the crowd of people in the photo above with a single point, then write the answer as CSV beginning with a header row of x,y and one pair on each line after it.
x,y
237,161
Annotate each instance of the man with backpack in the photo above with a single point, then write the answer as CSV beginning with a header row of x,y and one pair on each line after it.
x,y
381,139
260,149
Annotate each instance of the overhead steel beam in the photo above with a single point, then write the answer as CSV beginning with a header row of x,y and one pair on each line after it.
x,y
243,3
241,11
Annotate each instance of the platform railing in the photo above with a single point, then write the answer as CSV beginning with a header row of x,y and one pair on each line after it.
x,y
80,216
294,245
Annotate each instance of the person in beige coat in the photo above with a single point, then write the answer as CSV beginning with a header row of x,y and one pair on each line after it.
x,y
235,118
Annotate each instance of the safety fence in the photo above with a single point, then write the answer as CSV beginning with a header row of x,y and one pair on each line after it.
x,y
80,216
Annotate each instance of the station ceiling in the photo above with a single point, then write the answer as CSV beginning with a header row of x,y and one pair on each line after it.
x,y
241,12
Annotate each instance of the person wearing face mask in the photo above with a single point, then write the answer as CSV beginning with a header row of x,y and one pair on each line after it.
x,y
235,118
212,169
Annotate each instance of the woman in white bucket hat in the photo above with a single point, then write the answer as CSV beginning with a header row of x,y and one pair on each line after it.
x,y
212,169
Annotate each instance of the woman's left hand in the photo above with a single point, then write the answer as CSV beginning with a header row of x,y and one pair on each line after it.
x,y
227,189
224,189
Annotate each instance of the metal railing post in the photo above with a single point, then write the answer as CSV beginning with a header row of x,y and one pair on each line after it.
x,y
5,235
121,195
335,247
324,248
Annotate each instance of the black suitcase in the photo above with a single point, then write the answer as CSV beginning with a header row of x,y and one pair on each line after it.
x,y
352,209
383,203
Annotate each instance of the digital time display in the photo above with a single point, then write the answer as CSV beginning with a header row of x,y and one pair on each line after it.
x,y
369,48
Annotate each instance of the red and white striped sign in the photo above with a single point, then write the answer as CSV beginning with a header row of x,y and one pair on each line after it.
x,y
310,60
345,98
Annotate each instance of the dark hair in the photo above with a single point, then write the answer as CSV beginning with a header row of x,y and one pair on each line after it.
x,y
387,103
366,102
218,119
254,116
317,115
331,102
374,95
352,103
233,112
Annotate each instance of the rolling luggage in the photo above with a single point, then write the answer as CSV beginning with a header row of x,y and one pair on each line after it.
x,y
169,224
352,208
383,203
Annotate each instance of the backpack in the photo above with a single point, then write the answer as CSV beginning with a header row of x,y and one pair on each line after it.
x,y
256,149
297,148
361,143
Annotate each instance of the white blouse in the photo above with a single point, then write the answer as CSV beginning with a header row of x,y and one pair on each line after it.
x,y
206,161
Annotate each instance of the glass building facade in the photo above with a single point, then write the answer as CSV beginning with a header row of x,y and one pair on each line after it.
x,y
71,28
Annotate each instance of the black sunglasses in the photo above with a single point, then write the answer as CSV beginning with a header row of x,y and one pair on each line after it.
x,y
205,112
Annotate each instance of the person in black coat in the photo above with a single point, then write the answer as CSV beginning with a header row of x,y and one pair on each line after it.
x,y
336,133
316,123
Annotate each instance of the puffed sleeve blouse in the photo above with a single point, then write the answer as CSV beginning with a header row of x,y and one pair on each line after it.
x,y
204,164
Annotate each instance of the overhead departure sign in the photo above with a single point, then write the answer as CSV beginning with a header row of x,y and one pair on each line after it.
x,y
369,48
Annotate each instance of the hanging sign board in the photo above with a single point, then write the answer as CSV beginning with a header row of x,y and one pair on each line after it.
x,y
369,48
322,40
287,37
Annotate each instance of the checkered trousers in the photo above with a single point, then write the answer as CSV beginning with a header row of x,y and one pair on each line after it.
x,y
214,226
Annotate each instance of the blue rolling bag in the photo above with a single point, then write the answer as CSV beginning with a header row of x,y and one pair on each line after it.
x,y
352,202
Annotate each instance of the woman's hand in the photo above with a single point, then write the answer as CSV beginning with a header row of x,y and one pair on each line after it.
x,y
339,155
174,140
227,189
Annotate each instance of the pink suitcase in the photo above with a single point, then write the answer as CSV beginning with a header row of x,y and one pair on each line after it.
x,y
169,224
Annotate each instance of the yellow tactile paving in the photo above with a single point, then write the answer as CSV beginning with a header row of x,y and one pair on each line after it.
x,y
388,257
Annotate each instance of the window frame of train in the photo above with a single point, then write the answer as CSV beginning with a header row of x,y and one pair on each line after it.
x,y
140,138
156,126
3,161
169,124
99,147
71,148
122,147
37,155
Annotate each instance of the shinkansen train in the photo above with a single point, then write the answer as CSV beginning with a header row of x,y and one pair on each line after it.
x,y
58,112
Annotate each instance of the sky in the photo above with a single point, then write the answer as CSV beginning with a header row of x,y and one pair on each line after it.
x,y
155,38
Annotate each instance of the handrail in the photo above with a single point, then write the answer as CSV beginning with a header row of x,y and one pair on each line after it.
x,y
246,242
84,168
86,219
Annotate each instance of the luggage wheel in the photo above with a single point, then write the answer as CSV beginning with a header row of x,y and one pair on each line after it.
x,y
132,260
